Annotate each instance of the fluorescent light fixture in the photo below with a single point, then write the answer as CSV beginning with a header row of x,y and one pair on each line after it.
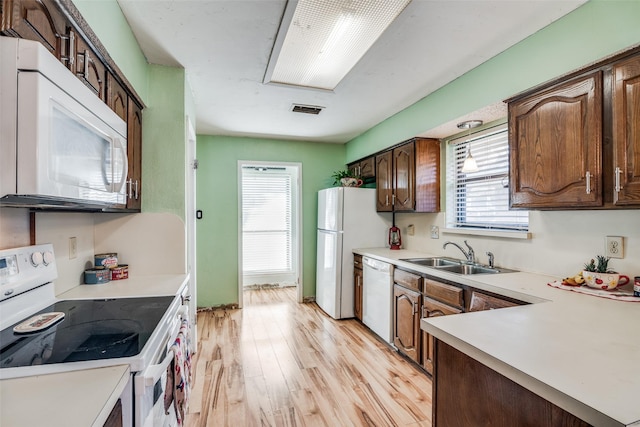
x,y
320,41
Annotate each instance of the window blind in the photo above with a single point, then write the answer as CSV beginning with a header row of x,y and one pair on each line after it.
x,y
267,233
481,199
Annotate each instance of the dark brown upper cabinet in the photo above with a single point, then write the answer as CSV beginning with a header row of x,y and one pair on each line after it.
x,y
408,177
574,143
555,146
626,131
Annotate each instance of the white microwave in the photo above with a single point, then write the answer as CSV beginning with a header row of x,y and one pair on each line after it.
x,y
60,145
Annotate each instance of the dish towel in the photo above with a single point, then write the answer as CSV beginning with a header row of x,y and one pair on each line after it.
x,y
619,294
178,386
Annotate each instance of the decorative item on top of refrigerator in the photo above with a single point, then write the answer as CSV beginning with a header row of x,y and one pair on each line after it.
x,y
347,220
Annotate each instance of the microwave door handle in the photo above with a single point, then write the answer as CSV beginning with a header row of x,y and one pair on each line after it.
x,y
117,187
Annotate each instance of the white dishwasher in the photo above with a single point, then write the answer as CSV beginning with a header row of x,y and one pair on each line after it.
x,y
377,297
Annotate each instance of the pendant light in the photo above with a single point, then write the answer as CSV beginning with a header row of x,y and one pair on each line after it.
x,y
470,164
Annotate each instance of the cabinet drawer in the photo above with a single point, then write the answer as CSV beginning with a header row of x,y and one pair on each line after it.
x,y
446,293
480,302
357,261
407,279
433,308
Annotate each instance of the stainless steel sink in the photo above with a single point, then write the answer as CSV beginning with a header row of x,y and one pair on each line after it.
x,y
433,262
457,266
475,269
470,269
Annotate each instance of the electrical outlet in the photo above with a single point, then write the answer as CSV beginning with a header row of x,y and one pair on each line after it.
x,y
435,232
411,230
73,247
614,247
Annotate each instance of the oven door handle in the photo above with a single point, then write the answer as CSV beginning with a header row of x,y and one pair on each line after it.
x,y
152,374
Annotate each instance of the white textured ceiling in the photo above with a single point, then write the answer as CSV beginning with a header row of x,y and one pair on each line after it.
x,y
224,45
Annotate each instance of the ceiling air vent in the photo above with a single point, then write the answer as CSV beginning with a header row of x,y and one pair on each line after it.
x,y
306,109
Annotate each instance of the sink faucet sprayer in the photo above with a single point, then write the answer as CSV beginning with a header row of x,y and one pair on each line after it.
x,y
469,255
490,255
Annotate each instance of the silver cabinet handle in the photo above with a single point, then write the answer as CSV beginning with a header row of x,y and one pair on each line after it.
x,y
387,200
71,55
137,189
393,200
617,173
588,177
130,189
86,64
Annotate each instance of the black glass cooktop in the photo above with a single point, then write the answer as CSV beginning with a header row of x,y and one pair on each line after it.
x,y
90,330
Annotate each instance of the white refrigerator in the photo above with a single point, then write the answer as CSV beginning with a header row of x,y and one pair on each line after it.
x,y
347,219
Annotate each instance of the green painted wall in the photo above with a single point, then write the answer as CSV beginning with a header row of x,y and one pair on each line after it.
x,y
217,197
106,20
593,31
163,145
167,96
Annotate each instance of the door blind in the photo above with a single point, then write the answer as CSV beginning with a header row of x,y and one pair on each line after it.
x,y
481,199
267,232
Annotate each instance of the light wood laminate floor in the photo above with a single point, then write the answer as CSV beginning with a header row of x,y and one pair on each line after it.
x,y
279,363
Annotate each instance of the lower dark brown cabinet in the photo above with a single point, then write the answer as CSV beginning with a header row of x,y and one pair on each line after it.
x,y
468,393
406,325
357,284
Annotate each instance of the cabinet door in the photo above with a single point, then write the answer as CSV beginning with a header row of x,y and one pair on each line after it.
x,y
364,168
427,192
354,168
432,308
468,393
117,98
115,417
626,134
384,182
404,177
36,20
134,151
368,168
481,302
555,146
90,69
358,281
406,329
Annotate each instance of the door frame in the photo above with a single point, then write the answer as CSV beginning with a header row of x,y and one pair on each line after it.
x,y
191,168
297,220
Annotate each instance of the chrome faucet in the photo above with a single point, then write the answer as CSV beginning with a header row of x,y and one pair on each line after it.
x,y
470,255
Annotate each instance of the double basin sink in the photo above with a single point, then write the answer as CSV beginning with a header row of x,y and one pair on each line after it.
x,y
457,266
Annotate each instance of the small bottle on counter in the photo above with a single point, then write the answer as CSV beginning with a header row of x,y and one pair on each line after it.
x,y
636,286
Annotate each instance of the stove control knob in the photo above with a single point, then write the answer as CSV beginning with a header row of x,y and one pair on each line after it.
x,y
36,259
47,257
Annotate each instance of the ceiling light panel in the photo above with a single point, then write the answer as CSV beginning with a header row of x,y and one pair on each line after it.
x,y
326,38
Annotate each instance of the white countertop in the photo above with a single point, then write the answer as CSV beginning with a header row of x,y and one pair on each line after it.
x,y
580,352
80,398
134,286
84,397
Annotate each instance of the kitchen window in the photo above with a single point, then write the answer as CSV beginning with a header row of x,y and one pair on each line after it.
x,y
480,200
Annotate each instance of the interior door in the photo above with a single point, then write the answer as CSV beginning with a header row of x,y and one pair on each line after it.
x,y
191,228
